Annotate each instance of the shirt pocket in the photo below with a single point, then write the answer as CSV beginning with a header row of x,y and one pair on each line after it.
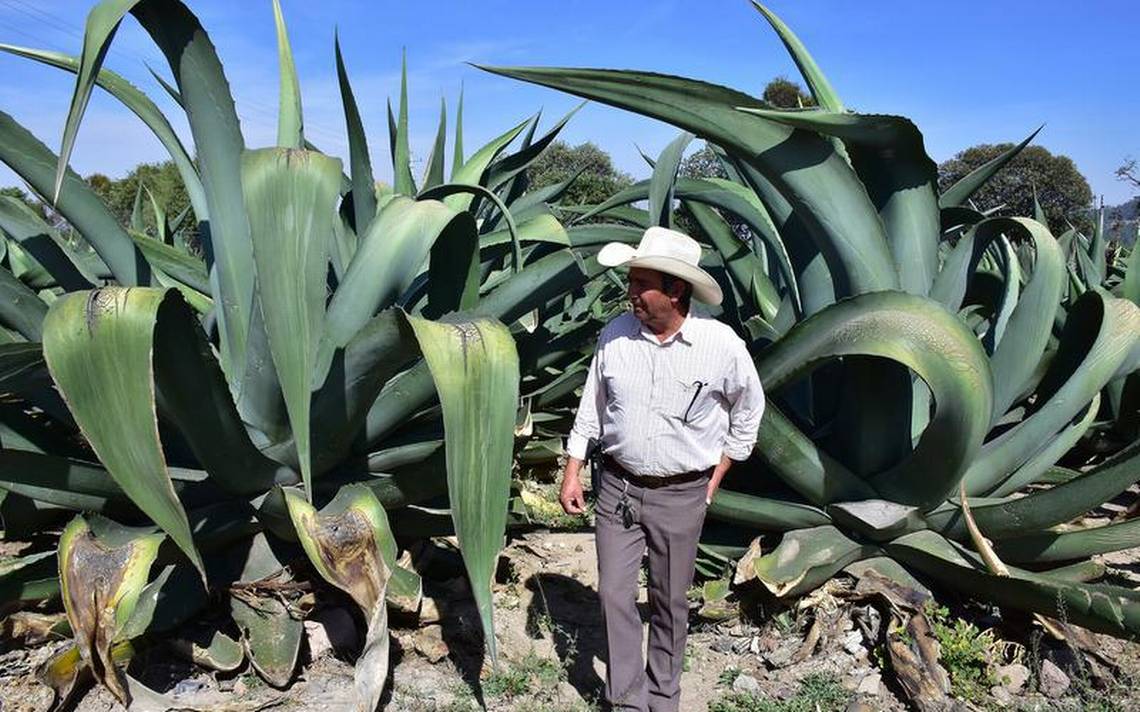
x,y
692,398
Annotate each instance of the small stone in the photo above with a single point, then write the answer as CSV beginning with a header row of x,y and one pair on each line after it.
x,y
1054,682
1002,696
188,687
780,657
240,687
430,644
1013,677
853,643
746,684
754,645
870,685
858,705
330,629
723,644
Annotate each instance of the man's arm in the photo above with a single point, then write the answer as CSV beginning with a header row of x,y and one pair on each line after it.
x,y
587,427
746,398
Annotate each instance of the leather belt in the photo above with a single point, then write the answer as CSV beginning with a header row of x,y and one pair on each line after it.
x,y
652,482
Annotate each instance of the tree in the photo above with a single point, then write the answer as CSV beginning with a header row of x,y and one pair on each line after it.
x,y
19,194
1129,172
1063,192
598,181
161,179
783,93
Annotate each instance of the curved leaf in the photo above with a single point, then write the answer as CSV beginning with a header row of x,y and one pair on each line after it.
x,y
33,162
804,167
933,343
290,124
475,368
961,191
292,196
142,106
99,349
363,195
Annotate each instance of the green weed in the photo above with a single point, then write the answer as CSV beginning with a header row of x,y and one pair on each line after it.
x,y
817,693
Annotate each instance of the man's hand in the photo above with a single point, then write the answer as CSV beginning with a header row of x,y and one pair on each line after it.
x,y
571,497
717,476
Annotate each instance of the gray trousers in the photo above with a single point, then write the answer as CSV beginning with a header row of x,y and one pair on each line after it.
x,y
668,520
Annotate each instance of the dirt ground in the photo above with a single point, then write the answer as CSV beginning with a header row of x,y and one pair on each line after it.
x,y
551,648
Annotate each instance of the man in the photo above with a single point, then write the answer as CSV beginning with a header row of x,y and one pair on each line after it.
x,y
672,399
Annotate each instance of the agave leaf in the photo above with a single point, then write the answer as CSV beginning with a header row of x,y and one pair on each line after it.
x,y
664,176
290,124
433,173
961,191
472,170
845,226
21,365
211,649
449,190
1054,449
101,579
942,352
1027,333
270,636
889,155
30,577
390,254
363,197
1070,544
142,106
1042,509
543,227
457,151
292,194
1098,338
44,244
33,162
509,167
743,265
796,460
804,559
351,545
63,483
546,278
818,84
475,368
454,269
183,267
98,347
20,308
1105,609
754,512
218,144
66,675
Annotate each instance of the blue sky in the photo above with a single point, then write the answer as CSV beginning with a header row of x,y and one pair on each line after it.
x,y
966,72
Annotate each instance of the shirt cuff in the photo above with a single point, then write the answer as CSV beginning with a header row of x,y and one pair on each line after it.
x,y
577,445
738,451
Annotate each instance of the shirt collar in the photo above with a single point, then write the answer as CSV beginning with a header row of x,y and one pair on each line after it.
x,y
683,334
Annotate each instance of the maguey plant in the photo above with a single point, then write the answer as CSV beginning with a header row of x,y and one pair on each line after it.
x,y
923,360
341,348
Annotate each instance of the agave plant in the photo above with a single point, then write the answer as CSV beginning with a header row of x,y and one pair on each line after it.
x,y
223,419
919,353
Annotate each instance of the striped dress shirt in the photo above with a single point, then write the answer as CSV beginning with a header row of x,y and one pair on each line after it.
x,y
664,408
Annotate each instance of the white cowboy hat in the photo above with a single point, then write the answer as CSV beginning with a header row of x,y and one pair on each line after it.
x,y
666,251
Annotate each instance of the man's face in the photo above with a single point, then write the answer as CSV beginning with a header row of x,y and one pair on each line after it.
x,y
647,297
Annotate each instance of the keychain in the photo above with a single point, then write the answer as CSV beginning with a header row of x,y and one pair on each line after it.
x,y
623,507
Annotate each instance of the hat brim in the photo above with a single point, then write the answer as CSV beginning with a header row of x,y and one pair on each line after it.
x,y
705,288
